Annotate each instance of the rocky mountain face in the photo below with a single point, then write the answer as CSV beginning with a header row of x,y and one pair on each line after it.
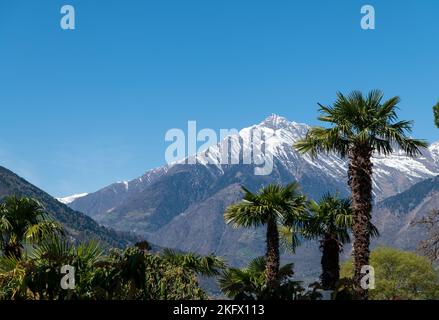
x,y
79,226
181,205
395,216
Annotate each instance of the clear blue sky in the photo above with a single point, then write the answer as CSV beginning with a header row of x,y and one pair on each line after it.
x,y
81,109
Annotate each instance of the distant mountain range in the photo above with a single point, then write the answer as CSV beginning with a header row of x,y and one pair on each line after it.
x,y
79,226
395,215
181,205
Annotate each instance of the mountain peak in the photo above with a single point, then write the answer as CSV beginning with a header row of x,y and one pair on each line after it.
x,y
434,146
275,122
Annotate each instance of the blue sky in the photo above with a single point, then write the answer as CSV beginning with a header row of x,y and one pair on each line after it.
x,y
81,109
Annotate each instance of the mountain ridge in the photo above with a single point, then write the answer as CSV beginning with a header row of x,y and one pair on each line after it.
x,y
290,132
395,217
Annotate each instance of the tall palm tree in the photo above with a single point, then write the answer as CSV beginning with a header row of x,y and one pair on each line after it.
x,y
329,222
360,126
272,205
23,221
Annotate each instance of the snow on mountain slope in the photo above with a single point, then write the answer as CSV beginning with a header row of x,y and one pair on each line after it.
x,y
69,199
392,174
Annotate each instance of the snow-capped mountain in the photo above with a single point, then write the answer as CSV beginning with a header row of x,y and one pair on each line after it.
x,y
181,205
392,174
69,199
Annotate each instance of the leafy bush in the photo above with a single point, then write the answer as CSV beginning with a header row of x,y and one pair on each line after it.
x,y
132,274
249,284
399,275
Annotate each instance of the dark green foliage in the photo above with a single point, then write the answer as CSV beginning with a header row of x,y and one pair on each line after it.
x,y
331,215
207,266
23,221
135,273
273,205
38,276
250,284
330,221
436,114
143,245
346,289
142,276
131,274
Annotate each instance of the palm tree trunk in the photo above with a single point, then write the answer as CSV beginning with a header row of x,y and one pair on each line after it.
x,y
272,255
360,182
330,262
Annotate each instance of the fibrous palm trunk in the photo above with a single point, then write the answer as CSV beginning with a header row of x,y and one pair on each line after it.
x,y
272,255
360,183
330,262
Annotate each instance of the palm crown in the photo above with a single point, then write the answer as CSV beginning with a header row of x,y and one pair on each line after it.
x,y
283,204
359,120
331,215
23,220
274,205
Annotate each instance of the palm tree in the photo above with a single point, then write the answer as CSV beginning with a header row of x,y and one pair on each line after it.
x,y
36,275
272,205
249,283
329,222
207,266
23,221
359,127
